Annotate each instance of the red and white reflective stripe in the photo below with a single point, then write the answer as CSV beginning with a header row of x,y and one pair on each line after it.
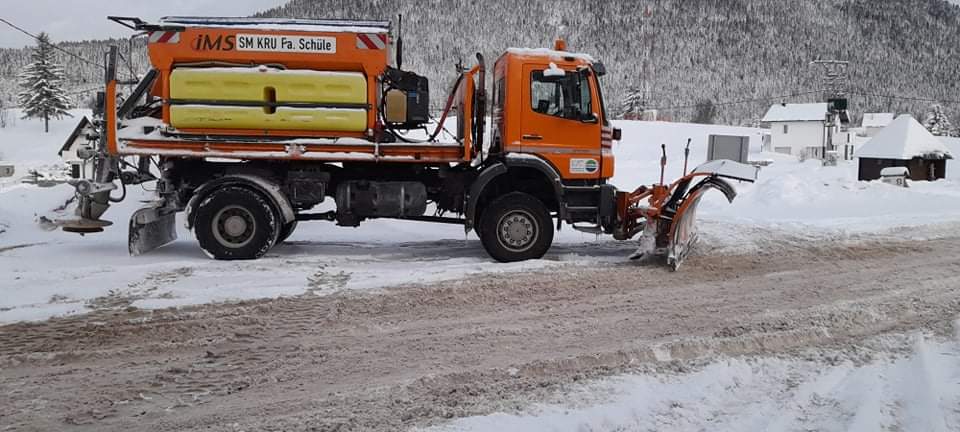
x,y
372,41
606,137
164,37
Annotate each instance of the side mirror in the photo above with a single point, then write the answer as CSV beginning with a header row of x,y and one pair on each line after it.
x,y
599,69
617,134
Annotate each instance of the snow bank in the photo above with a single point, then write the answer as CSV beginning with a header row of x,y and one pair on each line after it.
x,y
789,194
916,392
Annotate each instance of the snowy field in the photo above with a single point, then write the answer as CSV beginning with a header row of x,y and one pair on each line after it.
x,y
49,273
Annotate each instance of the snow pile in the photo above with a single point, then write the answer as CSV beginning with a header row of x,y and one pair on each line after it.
x,y
917,392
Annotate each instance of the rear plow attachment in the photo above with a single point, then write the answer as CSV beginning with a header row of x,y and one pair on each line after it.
x,y
665,215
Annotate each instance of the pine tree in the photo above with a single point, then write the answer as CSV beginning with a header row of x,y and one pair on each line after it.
x,y
633,104
705,112
42,94
938,123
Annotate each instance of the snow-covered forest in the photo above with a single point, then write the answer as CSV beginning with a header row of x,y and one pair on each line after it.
x,y
673,52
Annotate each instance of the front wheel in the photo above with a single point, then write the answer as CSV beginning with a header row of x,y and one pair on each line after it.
x,y
516,227
235,223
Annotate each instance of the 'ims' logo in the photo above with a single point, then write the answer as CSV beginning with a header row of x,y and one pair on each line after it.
x,y
220,43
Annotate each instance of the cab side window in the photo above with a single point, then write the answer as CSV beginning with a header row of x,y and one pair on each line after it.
x,y
565,96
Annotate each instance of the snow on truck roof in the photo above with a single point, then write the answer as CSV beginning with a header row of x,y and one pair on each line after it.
x,y
553,54
904,139
314,25
796,112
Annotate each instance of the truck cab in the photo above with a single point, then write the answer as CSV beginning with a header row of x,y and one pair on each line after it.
x,y
548,103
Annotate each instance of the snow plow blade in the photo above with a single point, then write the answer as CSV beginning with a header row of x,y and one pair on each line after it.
x,y
151,228
681,210
670,230
682,231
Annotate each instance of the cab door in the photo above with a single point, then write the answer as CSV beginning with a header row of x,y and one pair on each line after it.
x,y
559,119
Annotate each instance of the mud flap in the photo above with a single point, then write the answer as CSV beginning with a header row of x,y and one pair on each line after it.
x,y
682,234
150,228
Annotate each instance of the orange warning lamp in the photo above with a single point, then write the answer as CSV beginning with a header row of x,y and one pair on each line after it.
x,y
560,45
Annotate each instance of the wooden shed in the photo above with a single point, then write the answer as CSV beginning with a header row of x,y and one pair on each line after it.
x,y
904,143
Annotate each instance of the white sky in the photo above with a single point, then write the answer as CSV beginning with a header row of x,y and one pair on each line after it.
x,y
68,20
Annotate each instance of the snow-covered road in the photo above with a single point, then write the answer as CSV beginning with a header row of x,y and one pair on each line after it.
x,y
809,336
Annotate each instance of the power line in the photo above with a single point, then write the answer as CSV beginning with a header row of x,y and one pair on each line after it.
x,y
738,102
910,98
746,101
51,45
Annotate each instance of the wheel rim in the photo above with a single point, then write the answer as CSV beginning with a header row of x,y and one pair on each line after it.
x,y
518,231
234,226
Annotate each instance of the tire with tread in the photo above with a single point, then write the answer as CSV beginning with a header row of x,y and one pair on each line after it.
x,y
516,227
286,231
236,223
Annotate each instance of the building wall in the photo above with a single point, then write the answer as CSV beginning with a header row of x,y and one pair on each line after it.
x,y
798,135
920,169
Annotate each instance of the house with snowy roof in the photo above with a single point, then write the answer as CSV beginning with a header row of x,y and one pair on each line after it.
x,y
904,143
873,123
798,129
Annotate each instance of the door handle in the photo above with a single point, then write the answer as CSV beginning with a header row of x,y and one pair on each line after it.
x,y
532,137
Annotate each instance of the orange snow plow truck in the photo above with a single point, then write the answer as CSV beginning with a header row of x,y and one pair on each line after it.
x,y
248,125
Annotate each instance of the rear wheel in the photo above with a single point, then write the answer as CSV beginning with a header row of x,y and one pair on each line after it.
x,y
516,227
235,223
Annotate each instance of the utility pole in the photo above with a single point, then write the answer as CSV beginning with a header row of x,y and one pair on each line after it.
x,y
835,81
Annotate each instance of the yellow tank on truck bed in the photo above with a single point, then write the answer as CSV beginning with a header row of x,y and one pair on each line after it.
x,y
301,119
253,98
251,84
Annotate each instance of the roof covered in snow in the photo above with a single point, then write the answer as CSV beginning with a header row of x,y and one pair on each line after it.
x,y
905,138
796,112
877,120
